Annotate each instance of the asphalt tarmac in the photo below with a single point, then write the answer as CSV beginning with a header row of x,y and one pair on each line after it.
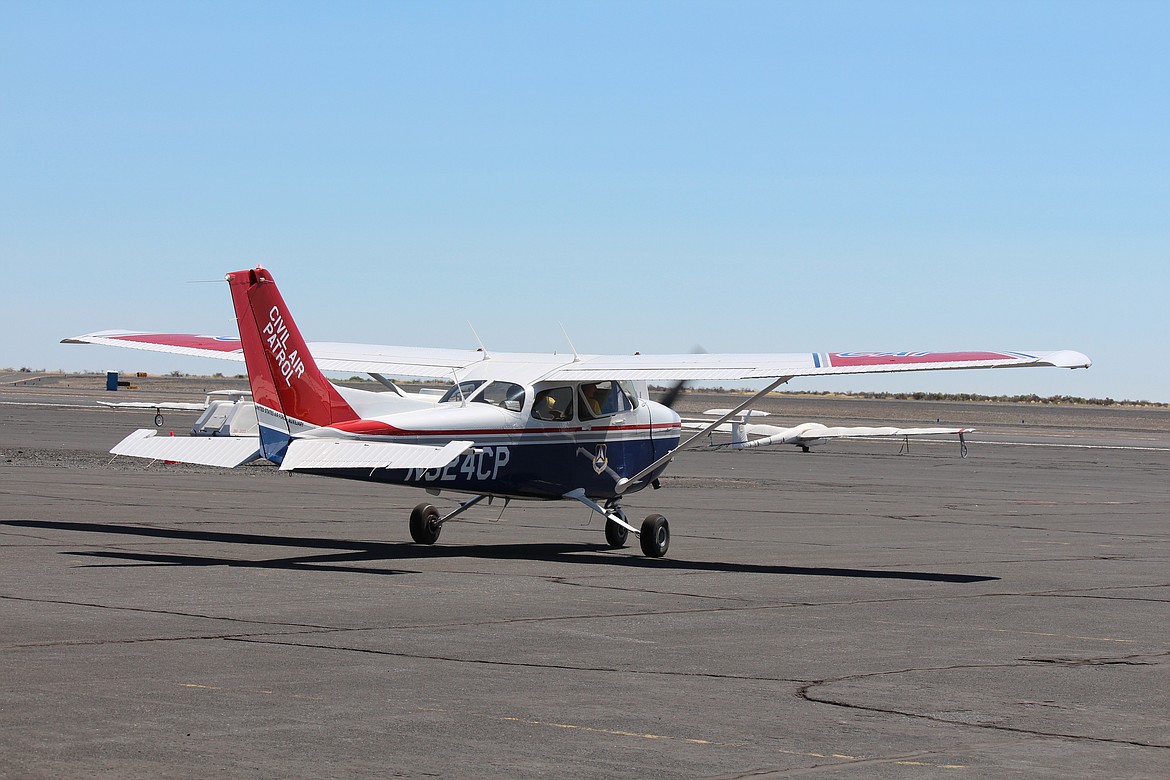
x,y
852,612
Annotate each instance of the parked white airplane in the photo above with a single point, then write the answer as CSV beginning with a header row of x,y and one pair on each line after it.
x,y
746,435
514,425
225,412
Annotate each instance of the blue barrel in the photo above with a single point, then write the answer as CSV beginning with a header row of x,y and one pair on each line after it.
x,y
111,380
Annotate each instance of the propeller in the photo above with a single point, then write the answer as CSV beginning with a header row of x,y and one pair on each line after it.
x,y
672,395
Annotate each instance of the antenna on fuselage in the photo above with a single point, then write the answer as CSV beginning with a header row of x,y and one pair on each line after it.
x,y
482,348
576,357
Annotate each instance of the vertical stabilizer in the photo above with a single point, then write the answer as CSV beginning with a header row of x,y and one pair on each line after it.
x,y
290,392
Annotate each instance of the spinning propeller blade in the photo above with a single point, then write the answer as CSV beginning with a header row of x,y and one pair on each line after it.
x,y
672,395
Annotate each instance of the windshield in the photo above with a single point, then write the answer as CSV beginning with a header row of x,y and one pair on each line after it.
x,y
461,391
503,394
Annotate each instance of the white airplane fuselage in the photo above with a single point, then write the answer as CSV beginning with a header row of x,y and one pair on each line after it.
x,y
517,452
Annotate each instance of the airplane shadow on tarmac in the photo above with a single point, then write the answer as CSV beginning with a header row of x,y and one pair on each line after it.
x,y
355,551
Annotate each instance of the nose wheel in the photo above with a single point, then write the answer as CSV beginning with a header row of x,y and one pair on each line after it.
x,y
655,536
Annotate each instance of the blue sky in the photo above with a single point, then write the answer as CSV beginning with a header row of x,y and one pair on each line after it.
x,y
748,177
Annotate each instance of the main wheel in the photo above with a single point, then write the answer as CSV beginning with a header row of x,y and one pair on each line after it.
x,y
655,536
423,527
615,535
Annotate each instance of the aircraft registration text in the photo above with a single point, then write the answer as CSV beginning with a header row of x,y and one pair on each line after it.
x,y
483,464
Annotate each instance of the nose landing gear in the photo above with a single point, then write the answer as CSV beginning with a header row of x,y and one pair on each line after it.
x,y
655,536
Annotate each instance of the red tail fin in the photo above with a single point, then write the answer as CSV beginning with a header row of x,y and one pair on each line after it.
x,y
283,375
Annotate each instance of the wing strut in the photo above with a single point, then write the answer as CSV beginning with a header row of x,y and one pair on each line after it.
x,y
578,494
625,483
468,504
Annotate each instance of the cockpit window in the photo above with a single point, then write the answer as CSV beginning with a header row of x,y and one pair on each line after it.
x,y
631,393
503,394
601,399
555,404
462,391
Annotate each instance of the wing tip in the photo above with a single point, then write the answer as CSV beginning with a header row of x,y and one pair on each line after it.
x,y
1067,358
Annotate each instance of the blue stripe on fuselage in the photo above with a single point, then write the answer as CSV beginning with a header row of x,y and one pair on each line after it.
x,y
537,470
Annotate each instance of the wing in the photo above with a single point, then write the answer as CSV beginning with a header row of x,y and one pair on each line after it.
x,y
331,356
863,432
439,363
770,366
222,347
165,406
810,433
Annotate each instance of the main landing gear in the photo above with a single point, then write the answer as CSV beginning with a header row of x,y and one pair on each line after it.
x,y
426,523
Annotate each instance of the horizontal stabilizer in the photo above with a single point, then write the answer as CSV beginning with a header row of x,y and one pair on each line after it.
x,y
225,451
351,454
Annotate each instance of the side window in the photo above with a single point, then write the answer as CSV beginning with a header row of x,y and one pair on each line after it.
x,y
601,399
631,393
616,399
556,404
503,394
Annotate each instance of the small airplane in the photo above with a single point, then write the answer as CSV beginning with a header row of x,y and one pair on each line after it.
x,y
512,425
225,412
807,435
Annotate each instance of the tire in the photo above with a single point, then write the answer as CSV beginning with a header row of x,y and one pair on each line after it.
x,y
615,535
422,524
655,536
158,421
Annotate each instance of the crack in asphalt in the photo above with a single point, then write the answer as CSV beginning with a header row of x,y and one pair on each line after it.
x,y
172,613
1103,598
1123,660
652,592
149,640
518,664
1016,526
805,692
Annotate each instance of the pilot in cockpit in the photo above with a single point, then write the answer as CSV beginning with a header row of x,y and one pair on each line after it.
x,y
590,403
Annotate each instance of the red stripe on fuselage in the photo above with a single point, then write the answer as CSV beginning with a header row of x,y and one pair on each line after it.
x,y
378,428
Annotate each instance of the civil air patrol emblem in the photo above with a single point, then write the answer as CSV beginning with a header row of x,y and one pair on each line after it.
x,y
601,459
